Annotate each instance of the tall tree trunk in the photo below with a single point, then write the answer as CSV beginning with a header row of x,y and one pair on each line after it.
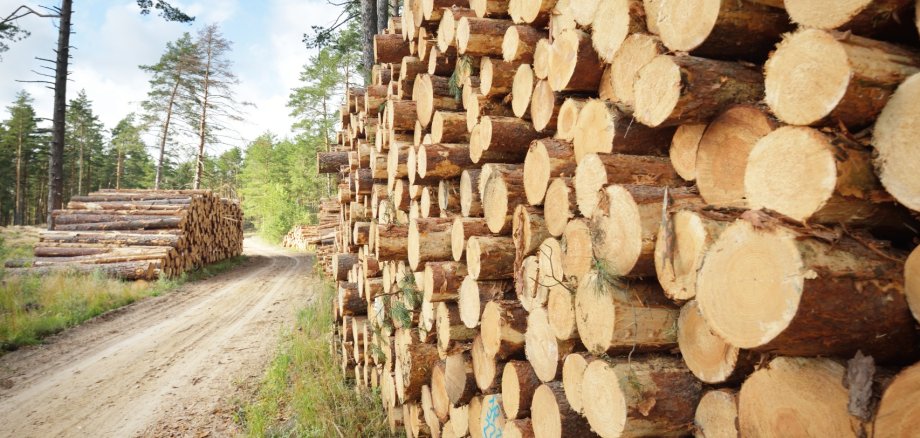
x,y
165,134
56,163
119,166
18,202
369,21
203,122
80,163
383,15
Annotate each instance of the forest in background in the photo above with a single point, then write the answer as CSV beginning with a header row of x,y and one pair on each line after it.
x,y
170,142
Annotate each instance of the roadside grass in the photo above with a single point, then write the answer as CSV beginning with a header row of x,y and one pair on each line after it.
x,y
33,307
303,393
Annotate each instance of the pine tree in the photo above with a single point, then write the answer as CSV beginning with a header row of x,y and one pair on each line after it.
x,y
132,163
85,146
170,94
214,93
19,139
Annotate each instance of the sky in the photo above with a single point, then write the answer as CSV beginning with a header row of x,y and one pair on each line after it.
x,y
112,38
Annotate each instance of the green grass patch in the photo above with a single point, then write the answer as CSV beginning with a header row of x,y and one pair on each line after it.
x,y
303,393
33,307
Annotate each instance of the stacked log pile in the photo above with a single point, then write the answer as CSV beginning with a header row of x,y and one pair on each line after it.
x,y
138,234
628,218
319,236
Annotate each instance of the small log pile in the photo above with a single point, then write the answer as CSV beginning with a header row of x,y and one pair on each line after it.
x,y
315,237
138,234
634,218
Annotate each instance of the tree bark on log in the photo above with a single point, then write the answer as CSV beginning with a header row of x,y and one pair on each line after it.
x,y
803,296
672,90
496,78
722,29
490,257
330,162
596,171
518,385
389,48
463,229
429,241
857,77
520,42
503,325
658,396
575,66
615,318
554,417
603,128
860,17
481,36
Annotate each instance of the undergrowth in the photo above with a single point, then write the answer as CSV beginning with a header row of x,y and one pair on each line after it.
x,y
303,393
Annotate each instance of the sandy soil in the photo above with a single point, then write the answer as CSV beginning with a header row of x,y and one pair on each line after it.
x,y
174,365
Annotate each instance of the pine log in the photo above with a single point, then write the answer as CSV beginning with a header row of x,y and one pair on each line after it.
x,y
431,419
490,257
491,418
484,369
534,12
496,78
137,270
726,29
560,314
578,256
503,323
655,396
447,28
522,428
912,282
389,48
449,196
502,193
553,416
724,150
439,401
442,63
561,195
544,351
862,17
330,162
442,160
519,43
518,385
832,174
613,22
717,414
709,357
392,242
489,8
802,296
575,66
473,412
684,146
350,302
893,136
550,275
528,229
475,294
603,128
635,52
546,158
127,224
544,107
460,418
109,238
449,127
433,93
671,90
795,397
542,58
595,171
625,230
522,90
442,281
680,247
573,371
453,336
429,241
428,204
397,163
341,264
857,77
478,105
896,414
568,118
462,230
616,317
481,36
470,202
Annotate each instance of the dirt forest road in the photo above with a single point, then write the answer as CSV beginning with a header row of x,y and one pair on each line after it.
x,y
173,365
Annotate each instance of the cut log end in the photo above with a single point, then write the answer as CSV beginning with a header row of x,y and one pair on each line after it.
x,y
683,150
657,90
710,358
717,414
898,413
764,264
795,397
522,90
561,196
912,282
895,135
807,77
